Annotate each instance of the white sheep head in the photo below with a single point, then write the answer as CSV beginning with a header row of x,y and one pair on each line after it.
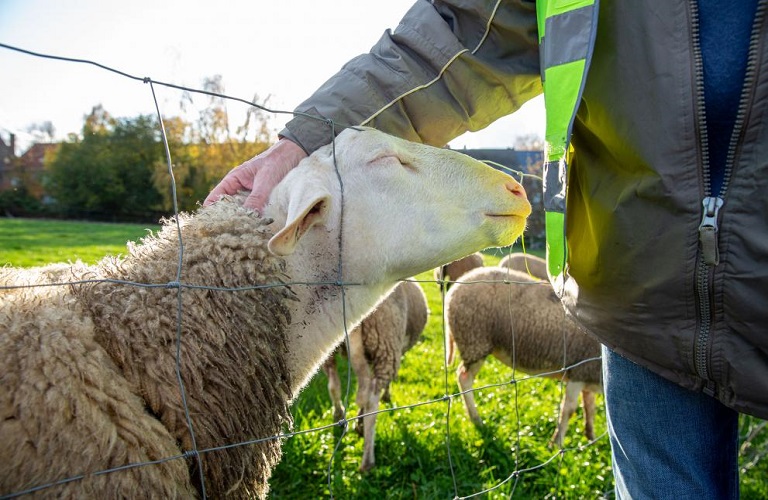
x,y
407,207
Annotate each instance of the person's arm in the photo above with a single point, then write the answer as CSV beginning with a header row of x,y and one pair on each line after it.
x,y
449,67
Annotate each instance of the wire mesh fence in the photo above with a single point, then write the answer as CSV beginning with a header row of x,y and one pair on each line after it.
x,y
441,404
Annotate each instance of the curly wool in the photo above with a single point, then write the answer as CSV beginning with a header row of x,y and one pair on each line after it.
x,y
527,263
90,369
510,312
520,320
376,348
392,329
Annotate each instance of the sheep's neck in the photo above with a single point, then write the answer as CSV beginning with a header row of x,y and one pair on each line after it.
x,y
320,318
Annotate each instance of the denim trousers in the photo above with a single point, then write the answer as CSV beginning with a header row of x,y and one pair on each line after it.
x,y
667,441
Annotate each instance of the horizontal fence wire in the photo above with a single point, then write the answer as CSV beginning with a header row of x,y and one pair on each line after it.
x,y
180,286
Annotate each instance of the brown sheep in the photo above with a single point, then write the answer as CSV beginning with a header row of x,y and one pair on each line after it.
x,y
113,389
520,321
376,347
530,264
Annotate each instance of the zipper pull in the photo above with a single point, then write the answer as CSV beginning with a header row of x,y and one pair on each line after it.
x,y
708,230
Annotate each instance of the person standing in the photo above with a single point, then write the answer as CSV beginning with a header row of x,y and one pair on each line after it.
x,y
655,179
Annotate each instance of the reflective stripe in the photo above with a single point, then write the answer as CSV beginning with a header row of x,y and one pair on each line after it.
x,y
554,186
566,37
554,223
567,40
562,92
546,9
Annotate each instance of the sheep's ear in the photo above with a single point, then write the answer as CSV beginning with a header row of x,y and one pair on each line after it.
x,y
304,211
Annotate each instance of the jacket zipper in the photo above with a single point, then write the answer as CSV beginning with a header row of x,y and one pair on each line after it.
x,y
709,255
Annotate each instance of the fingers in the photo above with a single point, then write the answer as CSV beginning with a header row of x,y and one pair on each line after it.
x,y
259,197
238,179
259,174
265,181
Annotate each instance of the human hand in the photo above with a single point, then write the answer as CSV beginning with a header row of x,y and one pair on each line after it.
x,y
260,174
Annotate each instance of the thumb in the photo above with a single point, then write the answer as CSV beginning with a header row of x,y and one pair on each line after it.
x,y
257,199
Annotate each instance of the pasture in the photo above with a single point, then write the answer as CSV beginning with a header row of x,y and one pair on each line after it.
x,y
32,242
426,447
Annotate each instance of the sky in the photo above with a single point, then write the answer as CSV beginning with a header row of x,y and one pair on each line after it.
x,y
281,51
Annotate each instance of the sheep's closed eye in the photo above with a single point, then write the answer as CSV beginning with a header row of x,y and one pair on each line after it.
x,y
392,160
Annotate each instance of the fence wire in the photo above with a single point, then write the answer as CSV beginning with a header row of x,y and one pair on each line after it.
x,y
194,453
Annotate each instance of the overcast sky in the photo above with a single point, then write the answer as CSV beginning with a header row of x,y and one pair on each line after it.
x,y
281,50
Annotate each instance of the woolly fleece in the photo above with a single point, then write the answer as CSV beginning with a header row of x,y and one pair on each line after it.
x,y
89,380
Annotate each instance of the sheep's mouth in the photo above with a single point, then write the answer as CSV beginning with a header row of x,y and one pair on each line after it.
x,y
504,216
504,229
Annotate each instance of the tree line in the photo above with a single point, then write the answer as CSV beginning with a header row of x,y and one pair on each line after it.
x,y
116,168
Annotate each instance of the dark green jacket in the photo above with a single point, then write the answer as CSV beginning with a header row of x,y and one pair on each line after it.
x,y
636,276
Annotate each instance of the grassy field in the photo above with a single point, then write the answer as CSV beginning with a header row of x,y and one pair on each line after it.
x,y
28,242
426,448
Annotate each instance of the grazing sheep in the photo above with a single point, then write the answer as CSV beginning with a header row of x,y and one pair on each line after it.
x,y
376,347
522,323
447,274
527,263
91,370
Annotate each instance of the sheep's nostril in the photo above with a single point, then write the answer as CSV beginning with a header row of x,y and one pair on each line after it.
x,y
515,188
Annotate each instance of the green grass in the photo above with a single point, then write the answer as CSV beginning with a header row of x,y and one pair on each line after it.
x,y
413,443
33,242
426,448
432,451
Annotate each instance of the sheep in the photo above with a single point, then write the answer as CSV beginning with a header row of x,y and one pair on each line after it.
x,y
376,347
527,263
447,274
90,396
58,272
521,322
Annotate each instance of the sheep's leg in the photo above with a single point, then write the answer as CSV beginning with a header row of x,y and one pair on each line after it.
x,y
466,377
385,396
334,387
363,372
588,400
369,427
567,409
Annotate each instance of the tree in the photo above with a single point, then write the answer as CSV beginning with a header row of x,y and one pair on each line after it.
x,y
98,121
42,131
108,171
117,167
205,149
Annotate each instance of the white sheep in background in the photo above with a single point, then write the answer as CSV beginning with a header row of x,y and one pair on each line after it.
x,y
521,322
447,274
376,347
527,263
89,378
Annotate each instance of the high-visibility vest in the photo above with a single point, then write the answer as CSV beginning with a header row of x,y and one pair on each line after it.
x,y
567,31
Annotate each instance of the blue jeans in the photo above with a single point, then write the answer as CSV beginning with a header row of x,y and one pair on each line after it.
x,y
667,441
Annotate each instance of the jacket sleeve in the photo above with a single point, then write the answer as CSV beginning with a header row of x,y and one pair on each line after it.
x,y
449,67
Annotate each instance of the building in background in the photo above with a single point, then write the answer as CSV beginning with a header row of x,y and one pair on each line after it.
x,y
22,187
32,168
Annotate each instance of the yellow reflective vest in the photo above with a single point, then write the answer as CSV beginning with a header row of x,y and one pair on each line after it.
x,y
566,35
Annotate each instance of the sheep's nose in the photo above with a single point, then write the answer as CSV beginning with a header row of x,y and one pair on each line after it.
x,y
515,188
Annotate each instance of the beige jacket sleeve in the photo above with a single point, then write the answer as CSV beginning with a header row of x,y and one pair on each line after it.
x,y
449,67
